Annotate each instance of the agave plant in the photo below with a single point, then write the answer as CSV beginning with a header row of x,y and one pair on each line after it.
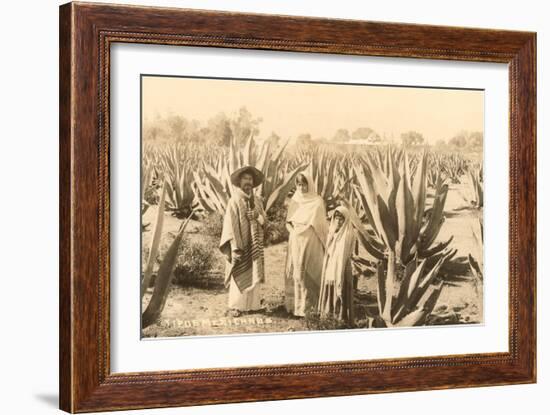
x,y
147,172
163,281
398,211
454,166
476,260
404,231
178,163
435,173
155,242
476,187
409,299
164,274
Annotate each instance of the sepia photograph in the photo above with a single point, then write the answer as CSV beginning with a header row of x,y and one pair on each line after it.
x,y
276,206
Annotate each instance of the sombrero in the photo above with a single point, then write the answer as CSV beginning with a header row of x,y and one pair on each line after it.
x,y
257,175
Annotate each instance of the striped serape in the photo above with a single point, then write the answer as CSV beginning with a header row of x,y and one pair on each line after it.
x,y
239,233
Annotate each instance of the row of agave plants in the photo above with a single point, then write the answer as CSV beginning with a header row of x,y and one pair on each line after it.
x,y
397,200
200,177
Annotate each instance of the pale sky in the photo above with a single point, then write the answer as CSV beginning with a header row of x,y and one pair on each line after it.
x,y
289,109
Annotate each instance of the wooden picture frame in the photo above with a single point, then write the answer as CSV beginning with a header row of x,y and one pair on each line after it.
x,y
86,33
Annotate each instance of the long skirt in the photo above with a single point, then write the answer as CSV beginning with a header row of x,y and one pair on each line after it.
x,y
302,282
338,303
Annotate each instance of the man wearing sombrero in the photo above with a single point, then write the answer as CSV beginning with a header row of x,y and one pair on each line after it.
x,y
242,241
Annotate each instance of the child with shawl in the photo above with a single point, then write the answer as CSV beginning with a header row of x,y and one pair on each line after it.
x,y
336,298
308,227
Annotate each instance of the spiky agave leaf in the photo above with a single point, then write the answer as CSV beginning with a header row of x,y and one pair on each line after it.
x,y
430,276
425,306
476,186
440,247
155,242
431,229
390,287
381,287
146,178
371,244
163,280
406,214
476,260
419,192
208,198
369,198
417,280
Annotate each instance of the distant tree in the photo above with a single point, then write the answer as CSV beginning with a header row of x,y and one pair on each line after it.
x,y
440,145
341,136
304,140
362,133
475,141
152,131
244,125
459,141
177,126
193,132
375,139
218,130
274,139
412,138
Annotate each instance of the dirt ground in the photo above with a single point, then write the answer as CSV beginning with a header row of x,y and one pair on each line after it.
x,y
201,309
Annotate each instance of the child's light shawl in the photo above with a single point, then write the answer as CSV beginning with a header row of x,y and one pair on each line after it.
x,y
339,250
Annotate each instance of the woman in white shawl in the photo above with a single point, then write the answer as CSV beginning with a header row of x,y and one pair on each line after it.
x,y
307,225
336,298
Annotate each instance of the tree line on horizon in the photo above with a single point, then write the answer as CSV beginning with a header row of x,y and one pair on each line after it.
x,y
220,129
